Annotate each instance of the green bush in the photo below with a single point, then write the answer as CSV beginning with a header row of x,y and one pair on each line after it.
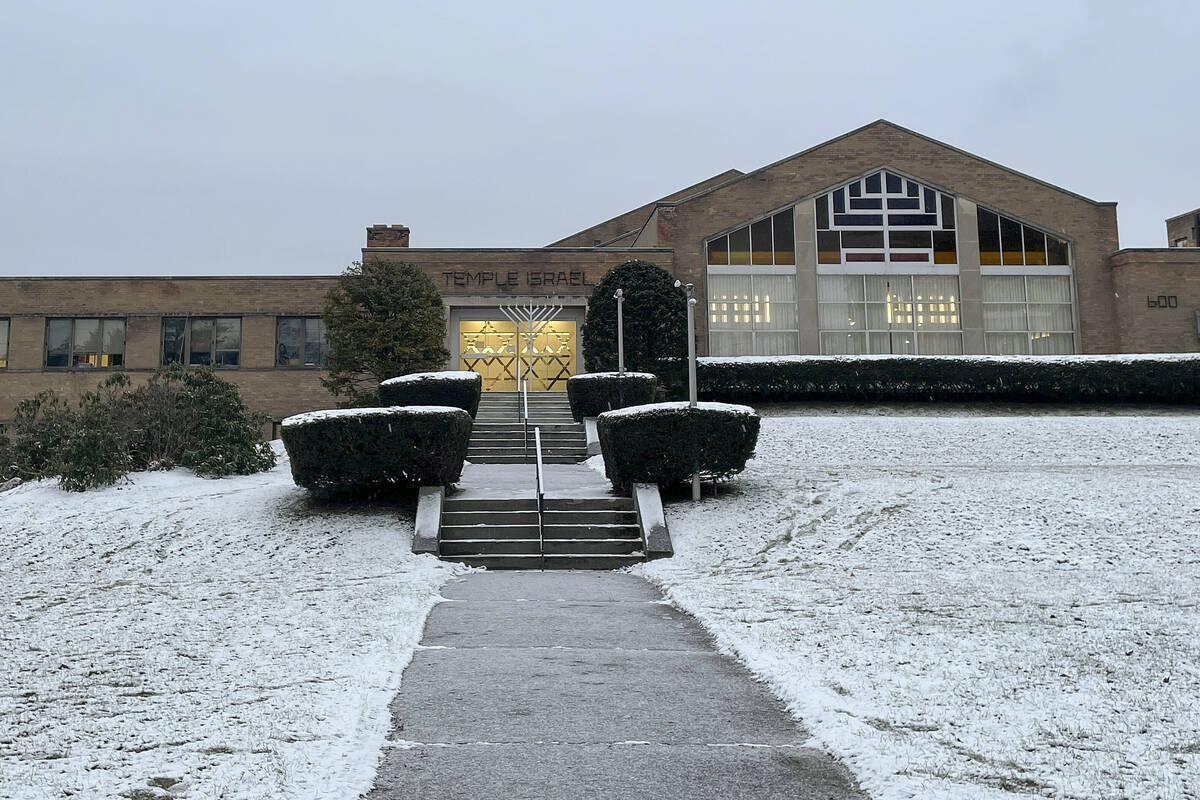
x,y
593,393
655,315
1035,379
181,416
666,443
460,389
377,449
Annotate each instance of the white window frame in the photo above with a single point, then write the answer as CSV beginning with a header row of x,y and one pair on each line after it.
x,y
1026,273
889,331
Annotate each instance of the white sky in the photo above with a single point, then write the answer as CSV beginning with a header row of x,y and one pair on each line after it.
x,y
234,138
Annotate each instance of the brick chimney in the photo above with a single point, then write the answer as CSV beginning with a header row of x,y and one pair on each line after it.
x,y
387,236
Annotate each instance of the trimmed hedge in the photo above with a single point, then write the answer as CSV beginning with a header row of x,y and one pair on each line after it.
x,y
666,443
1173,379
460,389
373,449
593,393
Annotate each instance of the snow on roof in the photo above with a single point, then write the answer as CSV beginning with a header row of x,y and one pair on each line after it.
x,y
337,413
452,375
1115,358
652,408
586,375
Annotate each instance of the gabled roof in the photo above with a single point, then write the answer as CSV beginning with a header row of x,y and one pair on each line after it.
x,y
628,225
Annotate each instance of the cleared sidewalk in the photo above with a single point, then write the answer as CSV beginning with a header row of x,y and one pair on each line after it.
x,y
586,685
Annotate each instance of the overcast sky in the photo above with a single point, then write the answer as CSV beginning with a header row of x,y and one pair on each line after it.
x,y
232,138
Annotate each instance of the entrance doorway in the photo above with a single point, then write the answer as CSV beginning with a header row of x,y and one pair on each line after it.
x,y
490,348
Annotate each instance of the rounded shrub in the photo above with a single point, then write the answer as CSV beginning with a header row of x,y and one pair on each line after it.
x,y
377,449
458,388
593,393
666,443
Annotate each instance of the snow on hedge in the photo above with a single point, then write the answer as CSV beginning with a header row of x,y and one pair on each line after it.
x,y
448,375
1120,358
583,376
650,409
966,607
220,633
339,413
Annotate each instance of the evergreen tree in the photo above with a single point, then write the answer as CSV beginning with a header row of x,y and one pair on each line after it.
x,y
381,320
655,315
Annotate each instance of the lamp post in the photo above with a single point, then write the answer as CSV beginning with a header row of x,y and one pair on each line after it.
x,y
620,295
691,337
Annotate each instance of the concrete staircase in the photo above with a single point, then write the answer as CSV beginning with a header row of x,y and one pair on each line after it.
x,y
580,533
498,435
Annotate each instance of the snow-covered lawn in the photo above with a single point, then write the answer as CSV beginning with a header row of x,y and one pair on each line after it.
x,y
223,634
966,606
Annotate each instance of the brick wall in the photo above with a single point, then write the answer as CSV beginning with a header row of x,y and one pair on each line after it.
x,y
1184,227
1157,298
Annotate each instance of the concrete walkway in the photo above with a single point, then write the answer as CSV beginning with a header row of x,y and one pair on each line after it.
x,y
586,685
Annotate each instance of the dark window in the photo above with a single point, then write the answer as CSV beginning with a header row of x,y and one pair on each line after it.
x,y
912,189
839,201
930,202
4,325
863,220
718,250
945,250
867,203
893,183
855,189
864,256
1056,252
1035,246
829,247
910,239
923,220
785,237
1010,241
202,341
739,246
915,257
299,342
873,184
989,237
823,213
862,239
904,203
761,246
947,212
85,342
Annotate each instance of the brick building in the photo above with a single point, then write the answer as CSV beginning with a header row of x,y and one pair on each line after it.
x,y
879,241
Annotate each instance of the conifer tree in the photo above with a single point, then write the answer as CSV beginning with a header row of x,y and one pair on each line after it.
x,y
655,315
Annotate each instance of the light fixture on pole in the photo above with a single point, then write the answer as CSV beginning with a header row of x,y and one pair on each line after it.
x,y
691,337
620,295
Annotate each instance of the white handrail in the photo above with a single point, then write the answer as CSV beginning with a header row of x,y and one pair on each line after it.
x,y
541,496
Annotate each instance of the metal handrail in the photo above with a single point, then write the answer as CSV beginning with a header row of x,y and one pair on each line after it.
x,y
523,403
541,497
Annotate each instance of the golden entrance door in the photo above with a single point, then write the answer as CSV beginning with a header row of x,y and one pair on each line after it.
x,y
489,347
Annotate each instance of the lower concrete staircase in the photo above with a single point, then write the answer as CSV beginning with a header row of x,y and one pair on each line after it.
x,y
579,533
498,435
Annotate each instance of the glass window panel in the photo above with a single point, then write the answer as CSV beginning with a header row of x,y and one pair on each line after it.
x,y
1003,289
931,202
873,183
739,246
893,183
843,344
945,247
200,342
940,344
912,189
902,343
841,316
1004,317
718,250
774,315
3,342
1056,252
947,212
864,257
86,349
856,189
1010,241
839,201
1050,317
58,342
776,344
1053,344
829,247
846,288
760,242
728,343
174,339
866,203
314,343
1006,344
822,213
1035,246
923,220
112,332
858,220
904,203
289,333
881,287
862,239
989,237
877,316
1049,288
910,239
922,258
785,237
